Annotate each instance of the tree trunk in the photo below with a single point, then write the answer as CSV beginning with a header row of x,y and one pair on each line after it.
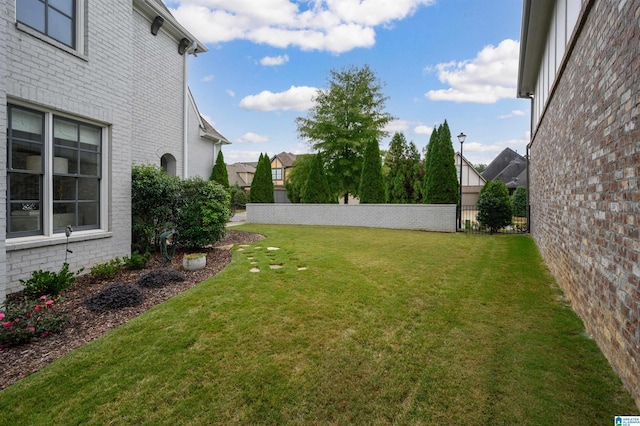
x,y
346,198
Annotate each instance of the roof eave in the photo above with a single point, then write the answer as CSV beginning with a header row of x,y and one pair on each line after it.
x,y
536,16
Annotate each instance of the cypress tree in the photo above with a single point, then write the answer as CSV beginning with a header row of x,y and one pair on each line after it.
x,y
371,181
427,163
262,184
441,181
396,160
219,173
316,188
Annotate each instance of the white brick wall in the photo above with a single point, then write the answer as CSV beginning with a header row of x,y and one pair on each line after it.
x,y
158,96
428,217
96,85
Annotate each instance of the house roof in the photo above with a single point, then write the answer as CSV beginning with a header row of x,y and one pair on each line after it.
x,y
510,167
286,158
536,18
234,172
207,131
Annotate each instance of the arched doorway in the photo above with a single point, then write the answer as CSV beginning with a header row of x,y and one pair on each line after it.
x,y
168,164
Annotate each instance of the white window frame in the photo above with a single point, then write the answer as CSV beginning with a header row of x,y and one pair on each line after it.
x,y
47,185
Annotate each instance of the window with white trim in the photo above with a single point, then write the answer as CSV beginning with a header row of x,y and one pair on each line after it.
x,y
54,18
276,174
54,173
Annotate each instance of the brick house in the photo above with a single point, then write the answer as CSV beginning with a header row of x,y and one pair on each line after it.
x,y
580,66
88,90
280,165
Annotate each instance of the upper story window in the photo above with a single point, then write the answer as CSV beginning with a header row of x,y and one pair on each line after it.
x,y
54,18
276,174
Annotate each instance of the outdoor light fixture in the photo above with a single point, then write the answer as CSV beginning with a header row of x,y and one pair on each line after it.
x,y
461,138
184,44
156,24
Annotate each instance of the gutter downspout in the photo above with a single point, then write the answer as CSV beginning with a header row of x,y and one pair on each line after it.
x,y
528,161
185,111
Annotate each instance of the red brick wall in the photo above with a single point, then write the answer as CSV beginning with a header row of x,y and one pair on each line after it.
x,y
585,182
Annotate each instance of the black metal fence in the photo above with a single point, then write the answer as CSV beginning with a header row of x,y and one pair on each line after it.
x,y
469,223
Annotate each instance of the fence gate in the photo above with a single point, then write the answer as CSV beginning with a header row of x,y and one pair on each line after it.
x,y
469,223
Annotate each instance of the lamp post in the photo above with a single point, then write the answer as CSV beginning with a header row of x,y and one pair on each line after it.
x,y
461,138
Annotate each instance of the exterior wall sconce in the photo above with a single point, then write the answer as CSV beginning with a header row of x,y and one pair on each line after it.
x,y
184,44
156,24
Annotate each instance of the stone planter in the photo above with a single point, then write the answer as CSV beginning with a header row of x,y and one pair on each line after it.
x,y
195,261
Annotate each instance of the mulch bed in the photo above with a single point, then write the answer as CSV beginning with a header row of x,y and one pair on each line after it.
x,y
84,325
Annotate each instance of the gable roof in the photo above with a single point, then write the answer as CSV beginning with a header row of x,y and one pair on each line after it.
x,y
207,131
286,158
510,167
234,172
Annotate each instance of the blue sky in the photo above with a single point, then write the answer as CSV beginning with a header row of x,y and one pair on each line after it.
x,y
437,59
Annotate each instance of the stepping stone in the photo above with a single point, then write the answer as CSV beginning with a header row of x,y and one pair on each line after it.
x,y
275,266
302,268
272,248
254,270
227,247
240,249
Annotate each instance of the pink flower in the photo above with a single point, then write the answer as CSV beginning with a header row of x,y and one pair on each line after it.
x,y
1,316
49,302
43,297
7,324
31,329
44,334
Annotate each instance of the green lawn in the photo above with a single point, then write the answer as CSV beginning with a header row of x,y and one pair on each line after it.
x,y
383,326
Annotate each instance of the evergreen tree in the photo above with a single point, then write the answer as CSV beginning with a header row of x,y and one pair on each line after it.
x,y
219,173
316,189
262,184
372,183
396,161
494,205
427,163
441,180
415,174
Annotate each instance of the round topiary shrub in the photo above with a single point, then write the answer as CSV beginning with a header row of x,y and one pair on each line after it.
x,y
160,278
115,296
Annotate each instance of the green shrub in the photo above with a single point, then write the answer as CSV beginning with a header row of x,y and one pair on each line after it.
x,y
137,260
48,283
520,202
238,198
160,278
154,205
115,296
204,212
23,321
494,205
107,270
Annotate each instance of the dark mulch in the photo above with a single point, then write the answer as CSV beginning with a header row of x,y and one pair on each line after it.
x,y
84,325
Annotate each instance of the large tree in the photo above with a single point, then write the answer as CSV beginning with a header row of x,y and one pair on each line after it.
x,y
262,183
372,182
404,177
441,182
494,205
346,115
219,173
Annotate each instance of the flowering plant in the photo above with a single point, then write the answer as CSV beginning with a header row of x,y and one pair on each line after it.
x,y
23,321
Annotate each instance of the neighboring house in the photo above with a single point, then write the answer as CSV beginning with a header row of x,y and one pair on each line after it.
x,y
580,68
280,163
241,174
472,181
84,97
510,167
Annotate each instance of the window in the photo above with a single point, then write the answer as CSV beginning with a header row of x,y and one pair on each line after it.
x,y
54,173
276,174
54,18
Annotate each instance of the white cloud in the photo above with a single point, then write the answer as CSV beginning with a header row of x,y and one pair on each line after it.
x,y
514,113
236,156
327,25
231,93
492,75
396,126
270,61
208,78
250,137
294,99
423,130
